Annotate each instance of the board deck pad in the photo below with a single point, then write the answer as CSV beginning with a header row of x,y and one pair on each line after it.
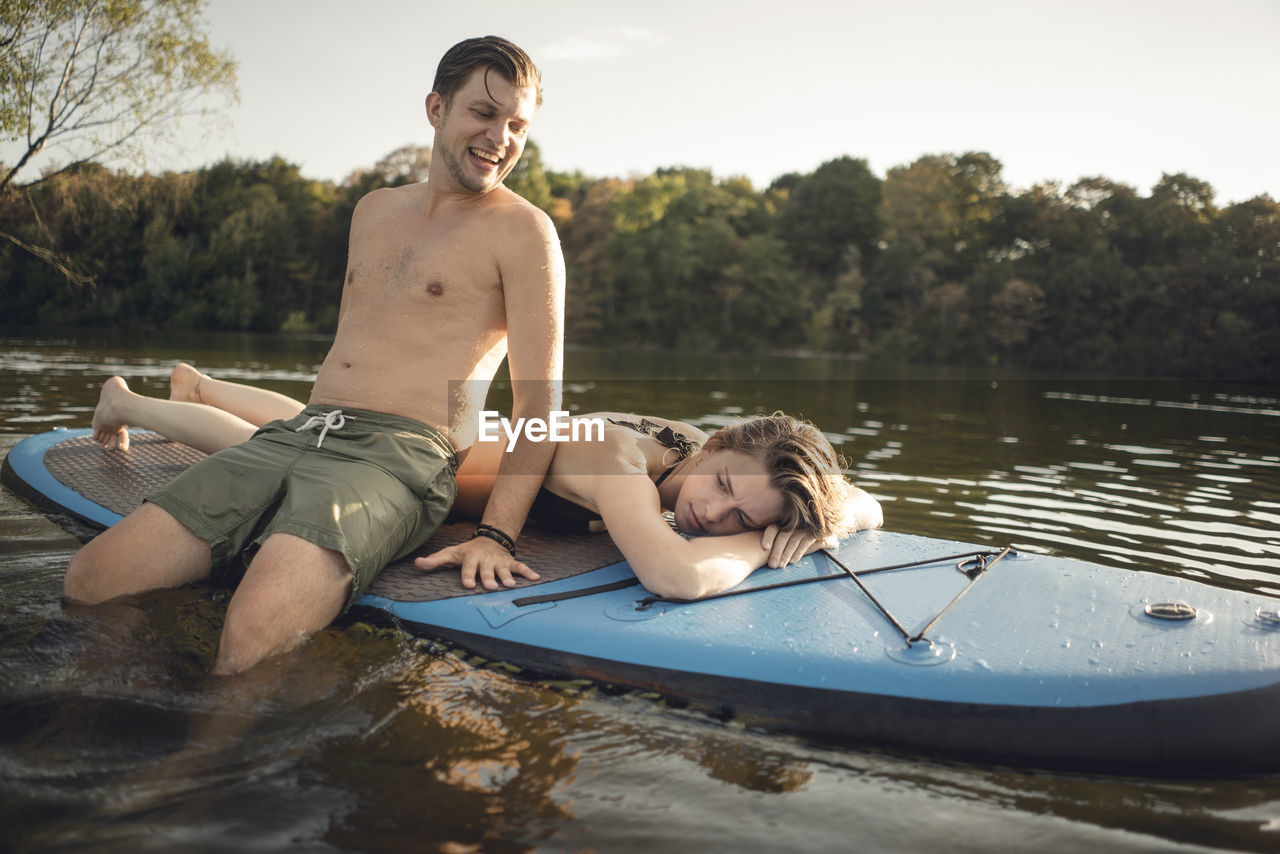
x,y
121,480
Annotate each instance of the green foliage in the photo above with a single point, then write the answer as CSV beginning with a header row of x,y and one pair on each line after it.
x,y
238,246
830,212
938,262
689,268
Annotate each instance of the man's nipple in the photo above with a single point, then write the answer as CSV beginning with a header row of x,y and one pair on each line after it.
x,y
435,289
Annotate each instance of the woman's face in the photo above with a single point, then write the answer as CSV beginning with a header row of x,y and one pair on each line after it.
x,y
727,492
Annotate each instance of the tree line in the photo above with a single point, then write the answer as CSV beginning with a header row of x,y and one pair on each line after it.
x,y
939,261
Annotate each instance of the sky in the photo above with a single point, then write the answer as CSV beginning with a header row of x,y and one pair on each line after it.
x,y
1054,90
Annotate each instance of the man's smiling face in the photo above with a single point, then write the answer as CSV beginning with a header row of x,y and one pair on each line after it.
x,y
481,134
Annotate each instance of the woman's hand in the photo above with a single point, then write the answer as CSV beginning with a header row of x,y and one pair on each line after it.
x,y
480,557
787,547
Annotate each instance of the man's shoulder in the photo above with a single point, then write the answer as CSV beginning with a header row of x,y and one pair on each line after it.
x,y
522,228
385,199
519,212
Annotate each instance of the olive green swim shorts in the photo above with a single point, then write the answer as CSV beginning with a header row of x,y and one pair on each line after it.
x,y
370,485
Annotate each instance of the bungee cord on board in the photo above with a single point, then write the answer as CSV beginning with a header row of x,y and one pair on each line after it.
x,y
973,565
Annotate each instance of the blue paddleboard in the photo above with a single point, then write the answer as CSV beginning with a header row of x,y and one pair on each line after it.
x,y
931,645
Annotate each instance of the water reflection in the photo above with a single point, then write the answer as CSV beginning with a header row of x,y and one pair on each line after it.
x,y
383,742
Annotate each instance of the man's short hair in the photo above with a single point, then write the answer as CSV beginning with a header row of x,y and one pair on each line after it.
x,y
488,52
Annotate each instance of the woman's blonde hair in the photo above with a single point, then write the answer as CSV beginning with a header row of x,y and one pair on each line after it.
x,y
802,466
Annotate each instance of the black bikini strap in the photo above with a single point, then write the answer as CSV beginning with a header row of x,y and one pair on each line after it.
x,y
665,436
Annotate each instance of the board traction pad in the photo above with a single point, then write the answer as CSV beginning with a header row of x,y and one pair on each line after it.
x,y
120,480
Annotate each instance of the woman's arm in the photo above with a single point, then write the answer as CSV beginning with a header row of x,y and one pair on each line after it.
x,y
705,565
665,562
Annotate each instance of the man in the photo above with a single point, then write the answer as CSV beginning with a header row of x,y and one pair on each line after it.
x,y
444,278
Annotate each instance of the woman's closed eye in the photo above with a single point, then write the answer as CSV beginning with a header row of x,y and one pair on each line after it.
x,y
722,484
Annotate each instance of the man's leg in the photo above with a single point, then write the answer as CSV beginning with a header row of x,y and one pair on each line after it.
x,y
147,550
291,590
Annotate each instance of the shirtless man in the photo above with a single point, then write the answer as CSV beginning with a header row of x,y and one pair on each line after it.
x,y
444,279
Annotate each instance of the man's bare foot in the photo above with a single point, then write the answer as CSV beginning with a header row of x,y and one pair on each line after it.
x,y
109,429
184,383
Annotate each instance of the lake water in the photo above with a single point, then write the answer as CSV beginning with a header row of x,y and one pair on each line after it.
x,y
375,741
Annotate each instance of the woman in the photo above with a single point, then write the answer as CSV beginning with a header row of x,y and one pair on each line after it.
x,y
771,474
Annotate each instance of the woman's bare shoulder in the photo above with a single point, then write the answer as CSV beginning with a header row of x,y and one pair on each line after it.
x,y
683,427
606,450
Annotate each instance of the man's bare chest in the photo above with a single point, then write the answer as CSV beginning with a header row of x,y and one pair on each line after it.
x,y
446,272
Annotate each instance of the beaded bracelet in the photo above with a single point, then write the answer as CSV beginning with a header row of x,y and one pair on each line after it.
x,y
498,536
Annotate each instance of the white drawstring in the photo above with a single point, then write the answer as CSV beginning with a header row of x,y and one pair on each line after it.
x,y
332,420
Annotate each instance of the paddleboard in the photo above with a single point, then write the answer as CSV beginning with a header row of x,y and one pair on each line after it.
x,y
935,646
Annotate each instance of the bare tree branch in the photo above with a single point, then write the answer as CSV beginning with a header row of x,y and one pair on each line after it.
x,y
61,262
96,80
